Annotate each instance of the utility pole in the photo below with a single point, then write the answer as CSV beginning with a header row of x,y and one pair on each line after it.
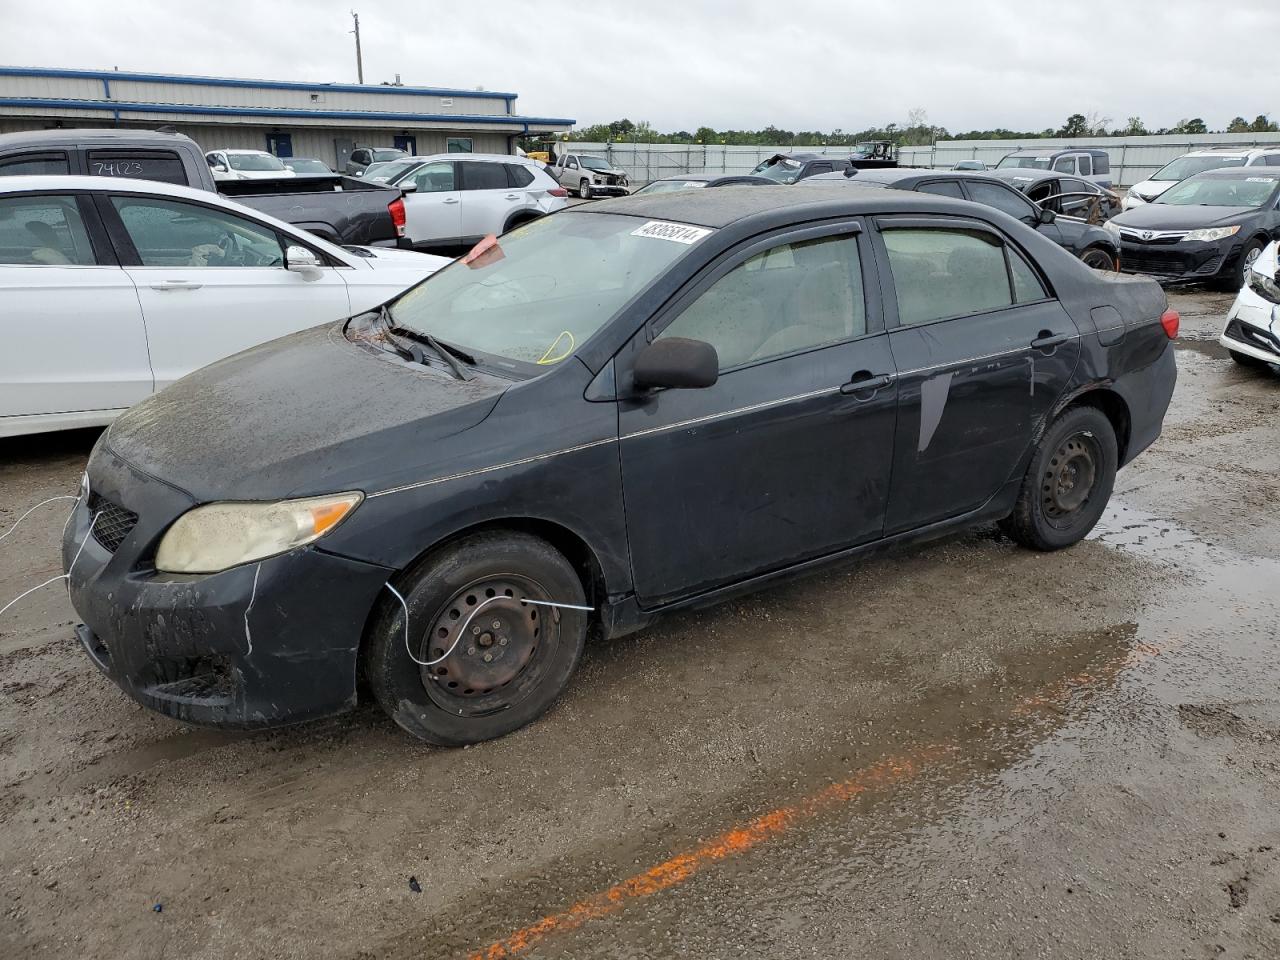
x,y
355,18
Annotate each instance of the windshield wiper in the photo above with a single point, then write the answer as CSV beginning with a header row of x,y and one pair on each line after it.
x,y
415,353
436,344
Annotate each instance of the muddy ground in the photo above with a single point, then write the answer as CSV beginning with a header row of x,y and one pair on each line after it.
x,y
965,749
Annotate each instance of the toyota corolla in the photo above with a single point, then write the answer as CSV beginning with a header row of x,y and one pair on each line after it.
x,y
618,411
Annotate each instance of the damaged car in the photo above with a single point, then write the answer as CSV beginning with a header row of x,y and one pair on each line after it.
x,y
629,408
1252,332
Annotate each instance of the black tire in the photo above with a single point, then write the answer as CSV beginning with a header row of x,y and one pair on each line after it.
x,y
584,189
1068,483
517,221
1233,281
533,650
1098,258
1245,360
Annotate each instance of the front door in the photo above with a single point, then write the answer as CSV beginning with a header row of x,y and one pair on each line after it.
x,y
488,198
433,212
212,283
983,350
787,456
73,334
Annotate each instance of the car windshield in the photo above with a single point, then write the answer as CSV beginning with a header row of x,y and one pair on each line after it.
x,y
783,170
381,155
254,161
386,172
1032,163
1185,167
669,186
545,288
307,166
594,163
1219,192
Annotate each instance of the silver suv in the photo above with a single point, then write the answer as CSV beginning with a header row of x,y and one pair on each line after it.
x,y
1198,161
456,199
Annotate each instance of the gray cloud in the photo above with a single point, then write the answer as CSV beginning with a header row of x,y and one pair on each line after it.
x,y
799,64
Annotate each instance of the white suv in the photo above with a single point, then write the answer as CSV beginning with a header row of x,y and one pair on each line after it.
x,y
1197,161
245,165
454,199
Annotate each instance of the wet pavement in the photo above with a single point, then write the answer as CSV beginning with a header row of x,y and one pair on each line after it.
x,y
963,749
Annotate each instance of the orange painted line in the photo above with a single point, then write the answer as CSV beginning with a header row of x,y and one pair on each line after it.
x,y
731,843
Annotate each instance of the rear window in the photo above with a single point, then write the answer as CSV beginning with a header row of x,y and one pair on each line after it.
x,y
49,164
1029,163
518,176
163,166
484,176
1101,163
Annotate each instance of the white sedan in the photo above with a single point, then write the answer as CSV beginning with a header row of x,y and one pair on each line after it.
x,y
1252,333
112,289
246,165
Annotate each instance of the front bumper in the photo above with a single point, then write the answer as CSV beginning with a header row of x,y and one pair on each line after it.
x,y
610,190
260,645
1253,328
1184,261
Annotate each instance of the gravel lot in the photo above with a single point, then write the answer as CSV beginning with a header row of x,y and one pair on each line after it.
x,y
960,750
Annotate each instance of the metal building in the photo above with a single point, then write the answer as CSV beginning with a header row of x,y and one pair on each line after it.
x,y
324,120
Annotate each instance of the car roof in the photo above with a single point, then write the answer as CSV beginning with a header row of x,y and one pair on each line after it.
x,y
484,157
893,176
40,138
240,150
719,208
1054,151
1239,173
1028,173
696,176
1232,151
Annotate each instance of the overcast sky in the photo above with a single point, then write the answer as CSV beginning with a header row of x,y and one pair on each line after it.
x,y
798,64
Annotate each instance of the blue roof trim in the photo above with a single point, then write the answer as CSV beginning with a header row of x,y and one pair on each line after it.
x,y
230,82
121,106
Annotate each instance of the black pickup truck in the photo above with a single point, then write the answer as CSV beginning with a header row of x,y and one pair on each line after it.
x,y
343,210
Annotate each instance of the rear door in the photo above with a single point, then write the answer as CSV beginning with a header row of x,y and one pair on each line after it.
x,y
211,282
983,351
433,212
487,198
73,334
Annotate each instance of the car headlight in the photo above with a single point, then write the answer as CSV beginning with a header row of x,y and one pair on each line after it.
x,y
1264,286
1133,194
221,535
1212,233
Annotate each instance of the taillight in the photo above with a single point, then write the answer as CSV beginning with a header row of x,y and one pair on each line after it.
x,y
1170,321
396,209
558,192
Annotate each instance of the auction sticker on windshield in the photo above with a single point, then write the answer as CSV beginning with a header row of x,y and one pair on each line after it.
x,y
678,232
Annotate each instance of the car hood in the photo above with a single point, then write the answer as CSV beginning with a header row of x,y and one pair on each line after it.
x,y
1170,216
380,258
1150,189
310,413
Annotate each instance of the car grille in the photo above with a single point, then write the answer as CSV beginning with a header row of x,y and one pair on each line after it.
x,y
1141,264
1156,236
1243,333
113,522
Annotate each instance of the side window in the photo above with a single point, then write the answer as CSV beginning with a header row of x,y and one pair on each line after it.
x,y
1002,198
360,156
483,176
434,177
43,230
45,164
943,188
1086,165
1026,285
169,233
942,273
1273,159
816,168
572,163
1101,164
518,176
163,166
792,297
1064,165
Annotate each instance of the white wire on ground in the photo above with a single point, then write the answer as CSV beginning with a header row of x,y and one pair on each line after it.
x,y
465,623
34,509
62,576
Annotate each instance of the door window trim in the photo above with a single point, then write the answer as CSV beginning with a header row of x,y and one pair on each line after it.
x,y
954,224
28,156
104,253
743,251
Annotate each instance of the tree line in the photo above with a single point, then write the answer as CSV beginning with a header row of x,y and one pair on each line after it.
x,y
915,131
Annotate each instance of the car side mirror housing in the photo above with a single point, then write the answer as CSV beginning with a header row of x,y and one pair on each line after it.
x,y
1047,216
220,167
676,363
302,261
409,186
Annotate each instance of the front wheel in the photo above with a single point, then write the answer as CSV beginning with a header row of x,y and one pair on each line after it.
x,y
1247,361
1233,281
584,189
1098,259
1068,483
480,660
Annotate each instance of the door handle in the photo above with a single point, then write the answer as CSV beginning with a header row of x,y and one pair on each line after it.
x,y
176,285
862,381
512,196
451,200
1048,340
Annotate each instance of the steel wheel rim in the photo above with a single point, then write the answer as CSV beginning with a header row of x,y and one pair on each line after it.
x,y
1069,478
503,652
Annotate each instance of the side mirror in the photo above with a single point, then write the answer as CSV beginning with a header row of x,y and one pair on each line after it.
x,y
409,186
676,362
1047,216
302,261
220,167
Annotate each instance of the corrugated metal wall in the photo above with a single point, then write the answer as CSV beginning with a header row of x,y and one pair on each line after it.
x,y
1132,158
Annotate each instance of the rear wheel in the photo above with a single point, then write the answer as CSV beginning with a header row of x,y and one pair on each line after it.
x,y
1098,259
490,662
584,189
1068,483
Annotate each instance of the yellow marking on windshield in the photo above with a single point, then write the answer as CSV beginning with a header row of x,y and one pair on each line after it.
x,y
547,359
